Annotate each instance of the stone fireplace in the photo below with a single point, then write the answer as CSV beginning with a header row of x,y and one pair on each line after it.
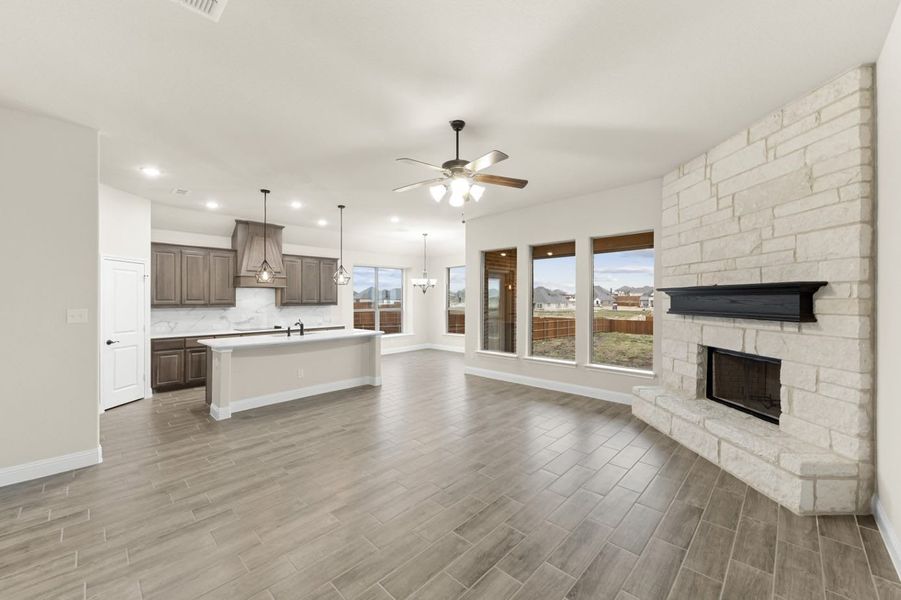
x,y
788,199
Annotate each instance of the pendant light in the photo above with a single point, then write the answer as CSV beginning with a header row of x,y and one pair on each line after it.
x,y
424,283
341,276
265,274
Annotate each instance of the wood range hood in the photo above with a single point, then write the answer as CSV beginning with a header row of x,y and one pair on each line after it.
x,y
247,241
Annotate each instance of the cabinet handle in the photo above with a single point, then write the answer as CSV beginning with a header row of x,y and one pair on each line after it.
x,y
111,342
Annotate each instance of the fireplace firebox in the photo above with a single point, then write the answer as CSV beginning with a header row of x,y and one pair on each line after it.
x,y
746,382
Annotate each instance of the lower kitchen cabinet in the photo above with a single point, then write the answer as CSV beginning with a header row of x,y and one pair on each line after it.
x,y
195,367
167,369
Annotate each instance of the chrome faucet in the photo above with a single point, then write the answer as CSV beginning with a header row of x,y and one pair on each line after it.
x,y
300,326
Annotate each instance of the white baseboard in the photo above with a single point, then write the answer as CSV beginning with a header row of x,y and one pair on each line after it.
x,y
421,347
888,533
50,466
289,395
400,349
550,384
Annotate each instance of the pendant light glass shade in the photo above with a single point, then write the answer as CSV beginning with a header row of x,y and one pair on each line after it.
x,y
424,283
265,274
341,276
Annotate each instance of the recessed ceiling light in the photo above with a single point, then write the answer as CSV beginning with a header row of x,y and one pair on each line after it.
x,y
550,253
151,171
322,222
395,219
212,204
503,254
296,204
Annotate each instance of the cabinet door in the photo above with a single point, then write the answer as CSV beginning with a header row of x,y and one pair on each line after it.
x,y
291,294
309,291
167,368
195,276
195,366
328,290
165,275
222,277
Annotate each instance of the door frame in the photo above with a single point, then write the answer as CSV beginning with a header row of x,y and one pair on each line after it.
x,y
144,262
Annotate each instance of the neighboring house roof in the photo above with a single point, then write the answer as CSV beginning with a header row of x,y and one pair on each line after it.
x,y
542,295
602,294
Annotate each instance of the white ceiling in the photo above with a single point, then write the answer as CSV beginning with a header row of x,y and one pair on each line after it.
x,y
315,99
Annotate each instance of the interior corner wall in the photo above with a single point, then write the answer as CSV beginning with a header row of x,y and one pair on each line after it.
x,y
439,338
628,209
48,368
888,287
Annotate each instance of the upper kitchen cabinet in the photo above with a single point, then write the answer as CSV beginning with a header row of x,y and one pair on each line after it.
x,y
165,274
328,289
222,277
184,276
248,242
308,281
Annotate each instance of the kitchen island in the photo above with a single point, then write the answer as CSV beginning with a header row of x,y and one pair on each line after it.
x,y
250,372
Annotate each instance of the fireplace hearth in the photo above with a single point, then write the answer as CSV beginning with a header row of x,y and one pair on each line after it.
x,y
746,382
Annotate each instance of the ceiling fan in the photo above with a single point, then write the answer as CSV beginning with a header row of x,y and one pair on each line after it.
x,y
461,177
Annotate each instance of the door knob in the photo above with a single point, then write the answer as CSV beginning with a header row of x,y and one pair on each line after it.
x,y
111,342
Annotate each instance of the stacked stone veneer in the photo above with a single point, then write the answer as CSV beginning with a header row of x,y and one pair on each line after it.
x,y
788,199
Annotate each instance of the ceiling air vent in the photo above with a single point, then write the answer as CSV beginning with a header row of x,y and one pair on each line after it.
x,y
211,9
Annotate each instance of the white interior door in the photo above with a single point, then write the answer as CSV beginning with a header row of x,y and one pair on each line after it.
x,y
122,332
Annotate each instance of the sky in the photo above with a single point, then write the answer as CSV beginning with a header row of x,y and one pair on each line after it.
x,y
634,268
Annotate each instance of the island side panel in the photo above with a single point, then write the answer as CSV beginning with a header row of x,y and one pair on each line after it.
x,y
219,384
271,374
376,344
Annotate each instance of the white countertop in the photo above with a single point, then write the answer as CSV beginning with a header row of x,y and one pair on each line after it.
x,y
281,339
202,333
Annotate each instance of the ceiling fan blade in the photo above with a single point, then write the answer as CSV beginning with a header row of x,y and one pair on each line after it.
x,y
413,161
420,184
492,158
498,180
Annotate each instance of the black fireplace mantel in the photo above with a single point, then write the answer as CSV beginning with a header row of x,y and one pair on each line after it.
x,y
789,301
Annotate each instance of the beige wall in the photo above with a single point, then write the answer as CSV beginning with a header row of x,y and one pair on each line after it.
x,y
888,280
627,209
48,368
124,224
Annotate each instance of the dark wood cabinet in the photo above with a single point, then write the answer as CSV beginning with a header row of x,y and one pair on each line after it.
x,y
195,276
165,273
222,278
191,276
167,368
308,281
310,269
195,367
328,290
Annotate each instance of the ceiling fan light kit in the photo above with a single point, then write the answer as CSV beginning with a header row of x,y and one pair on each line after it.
x,y
461,177
424,283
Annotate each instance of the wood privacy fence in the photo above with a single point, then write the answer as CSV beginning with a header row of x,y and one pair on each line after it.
x,y
544,328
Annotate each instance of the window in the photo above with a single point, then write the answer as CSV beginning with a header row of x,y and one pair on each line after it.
x,y
499,300
623,310
378,299
554,301
456,299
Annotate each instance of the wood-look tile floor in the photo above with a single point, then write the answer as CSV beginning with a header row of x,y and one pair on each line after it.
x,y
435,486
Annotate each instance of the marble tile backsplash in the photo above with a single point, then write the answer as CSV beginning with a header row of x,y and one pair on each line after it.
x,y
255,309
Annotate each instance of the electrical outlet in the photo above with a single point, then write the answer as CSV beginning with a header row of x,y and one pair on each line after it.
x,y
300,373
76,315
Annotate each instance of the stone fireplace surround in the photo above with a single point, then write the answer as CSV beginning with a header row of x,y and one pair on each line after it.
x,y
788,199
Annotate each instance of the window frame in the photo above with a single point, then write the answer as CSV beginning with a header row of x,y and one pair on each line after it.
x,y
483,296
376,309
630,241
531,304
447,292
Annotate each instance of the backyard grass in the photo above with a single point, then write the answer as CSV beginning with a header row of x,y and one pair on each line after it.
x,y
618,349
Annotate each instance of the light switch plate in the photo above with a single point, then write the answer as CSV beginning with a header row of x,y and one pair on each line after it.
x,y
77,315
